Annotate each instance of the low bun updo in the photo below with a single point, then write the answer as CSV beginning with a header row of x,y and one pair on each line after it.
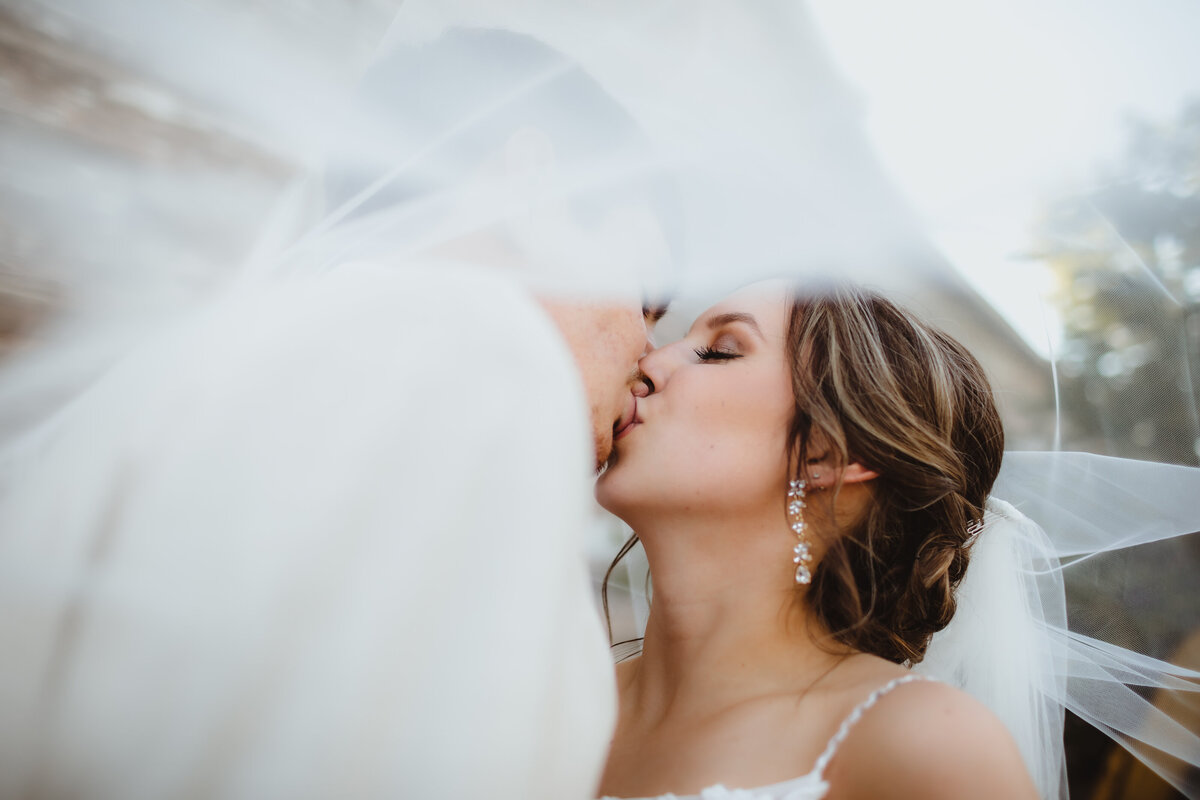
x,y
877,386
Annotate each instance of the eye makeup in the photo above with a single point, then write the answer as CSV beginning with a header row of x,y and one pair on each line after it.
x,y
712,354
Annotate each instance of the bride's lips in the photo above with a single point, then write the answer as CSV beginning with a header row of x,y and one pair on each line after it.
x,y
630,418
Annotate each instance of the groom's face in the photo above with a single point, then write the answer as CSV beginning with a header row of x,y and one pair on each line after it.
x,y
607,338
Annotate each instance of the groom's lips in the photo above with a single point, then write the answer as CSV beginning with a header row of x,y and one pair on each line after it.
x,y
627,420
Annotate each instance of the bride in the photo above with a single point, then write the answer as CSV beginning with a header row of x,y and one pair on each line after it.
x,y
806,475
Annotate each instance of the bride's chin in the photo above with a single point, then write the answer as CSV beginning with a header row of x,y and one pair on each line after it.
x,y
608,491
603,497
631,504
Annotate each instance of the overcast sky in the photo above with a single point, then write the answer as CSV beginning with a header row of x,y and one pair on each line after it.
x,y
980,109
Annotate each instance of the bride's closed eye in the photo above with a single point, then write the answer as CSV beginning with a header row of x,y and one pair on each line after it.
x,y
707,353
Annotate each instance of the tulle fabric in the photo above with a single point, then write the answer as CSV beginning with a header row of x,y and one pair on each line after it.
x,y
283,552
182,154
1091,505
996,647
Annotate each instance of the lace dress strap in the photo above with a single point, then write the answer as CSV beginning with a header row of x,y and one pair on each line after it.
x,y
855,715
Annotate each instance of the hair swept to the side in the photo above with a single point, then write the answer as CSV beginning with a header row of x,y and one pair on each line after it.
x,y
884,389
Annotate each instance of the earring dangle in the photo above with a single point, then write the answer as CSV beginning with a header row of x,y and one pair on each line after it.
x,y
801,553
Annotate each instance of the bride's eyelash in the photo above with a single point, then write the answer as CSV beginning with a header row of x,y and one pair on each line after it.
x,y
709,354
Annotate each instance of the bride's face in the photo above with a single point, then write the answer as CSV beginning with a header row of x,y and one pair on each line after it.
x,y
711,437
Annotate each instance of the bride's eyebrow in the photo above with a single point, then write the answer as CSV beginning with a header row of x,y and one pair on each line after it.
x,y
736,316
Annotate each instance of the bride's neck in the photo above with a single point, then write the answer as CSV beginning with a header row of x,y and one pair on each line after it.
x,y
724,622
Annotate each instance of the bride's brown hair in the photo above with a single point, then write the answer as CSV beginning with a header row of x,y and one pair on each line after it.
x,y
873,384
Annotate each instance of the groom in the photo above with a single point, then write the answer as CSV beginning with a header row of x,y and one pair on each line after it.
x,y
340,554
504,685
325,537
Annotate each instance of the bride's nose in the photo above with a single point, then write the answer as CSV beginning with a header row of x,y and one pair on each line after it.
x,y
656,368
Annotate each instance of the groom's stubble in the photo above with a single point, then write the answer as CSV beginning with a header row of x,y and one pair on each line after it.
x,y
606,340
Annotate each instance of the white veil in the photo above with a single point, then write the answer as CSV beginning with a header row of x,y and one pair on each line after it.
x,y
1011,643
158,156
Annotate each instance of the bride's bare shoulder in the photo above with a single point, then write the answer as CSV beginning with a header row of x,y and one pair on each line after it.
x,y
926,739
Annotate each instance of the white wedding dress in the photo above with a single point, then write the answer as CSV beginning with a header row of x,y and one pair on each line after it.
x,y
324,538
810,786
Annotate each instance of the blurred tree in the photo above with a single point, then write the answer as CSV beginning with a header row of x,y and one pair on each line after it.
x,y
1126,256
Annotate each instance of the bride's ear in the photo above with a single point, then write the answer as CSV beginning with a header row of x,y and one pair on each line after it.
x,y
857,473
853,472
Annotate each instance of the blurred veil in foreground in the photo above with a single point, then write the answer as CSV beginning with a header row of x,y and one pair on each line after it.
x,y
156,156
